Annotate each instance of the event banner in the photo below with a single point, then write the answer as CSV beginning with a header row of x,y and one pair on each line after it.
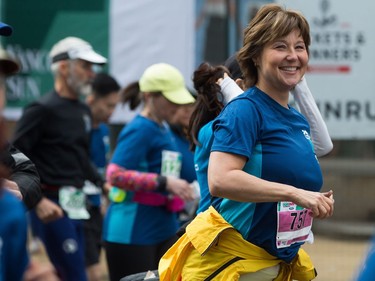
x,y
184,33
341,67
37,25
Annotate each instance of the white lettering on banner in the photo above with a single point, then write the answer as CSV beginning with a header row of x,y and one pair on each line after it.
x,y
26,87
31,59
23,88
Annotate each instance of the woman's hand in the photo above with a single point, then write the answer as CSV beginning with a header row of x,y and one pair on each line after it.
x,y
181,188
321,204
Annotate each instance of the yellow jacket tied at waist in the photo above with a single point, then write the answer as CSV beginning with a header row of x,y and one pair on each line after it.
x,y
211,249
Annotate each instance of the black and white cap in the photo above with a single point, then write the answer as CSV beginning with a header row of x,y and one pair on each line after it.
x,y
75,48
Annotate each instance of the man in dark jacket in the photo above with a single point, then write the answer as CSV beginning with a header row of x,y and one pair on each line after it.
x,y
24,179
19,177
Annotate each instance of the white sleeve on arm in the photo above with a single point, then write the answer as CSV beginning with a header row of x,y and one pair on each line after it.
x,y
307,105
229,89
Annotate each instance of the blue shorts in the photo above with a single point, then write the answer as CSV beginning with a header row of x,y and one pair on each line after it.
x,y
64,243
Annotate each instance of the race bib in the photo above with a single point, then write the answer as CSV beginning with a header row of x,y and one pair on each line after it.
x,y
171,163
293,224
91,189
73,201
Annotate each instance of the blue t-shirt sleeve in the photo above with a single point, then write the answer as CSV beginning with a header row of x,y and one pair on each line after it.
x,y
131,148
237,128
13,236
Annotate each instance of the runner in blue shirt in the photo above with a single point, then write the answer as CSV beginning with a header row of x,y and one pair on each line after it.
x,y
262,168
179,126
229,90
102,101
141,225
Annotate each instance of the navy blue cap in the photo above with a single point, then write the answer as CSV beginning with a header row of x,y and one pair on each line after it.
x,y
5,30
234,68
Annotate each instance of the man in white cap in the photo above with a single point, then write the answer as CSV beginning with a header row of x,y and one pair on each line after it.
x,y
54,133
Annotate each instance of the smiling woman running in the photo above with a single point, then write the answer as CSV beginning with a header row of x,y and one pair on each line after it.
x,y
262,170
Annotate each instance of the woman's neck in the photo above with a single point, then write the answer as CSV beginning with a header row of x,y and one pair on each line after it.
x,y
280,96
147,113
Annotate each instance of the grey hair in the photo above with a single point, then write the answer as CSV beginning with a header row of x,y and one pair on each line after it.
x,y
55,68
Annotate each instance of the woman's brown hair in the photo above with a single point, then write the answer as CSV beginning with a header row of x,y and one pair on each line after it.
x,y
209,99
270,23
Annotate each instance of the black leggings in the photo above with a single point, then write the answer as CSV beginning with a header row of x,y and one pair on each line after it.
x,y
123,259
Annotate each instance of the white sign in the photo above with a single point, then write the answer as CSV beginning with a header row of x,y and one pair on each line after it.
x,y
147,32
342,64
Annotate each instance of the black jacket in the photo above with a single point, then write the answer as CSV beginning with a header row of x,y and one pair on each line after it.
x,y
24,173
54,132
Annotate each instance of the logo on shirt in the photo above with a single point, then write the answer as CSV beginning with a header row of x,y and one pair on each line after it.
x,y
306,134
196,167
87,121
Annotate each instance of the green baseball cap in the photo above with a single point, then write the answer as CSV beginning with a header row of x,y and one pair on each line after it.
x,y
168,80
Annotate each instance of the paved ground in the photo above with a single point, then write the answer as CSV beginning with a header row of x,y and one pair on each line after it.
x,y
336,259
